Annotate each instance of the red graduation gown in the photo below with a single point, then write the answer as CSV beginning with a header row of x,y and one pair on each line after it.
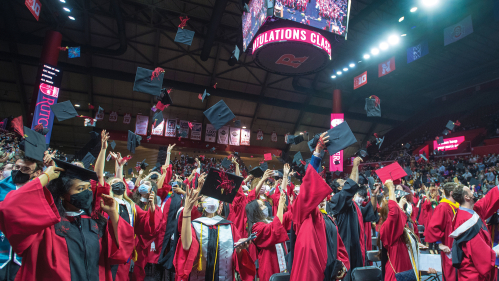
x,y
268,235
237,214
479,258
427,211
439,229
28,217
310,252
391,236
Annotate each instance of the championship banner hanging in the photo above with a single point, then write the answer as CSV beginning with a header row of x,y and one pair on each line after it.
x,y
158,131
196,131
127,118
34,6
171,125
360,80
274,136
141,122
245,137
386,67
223,135
235,134
259,135
113,116
210,134
418,51
99,116
458,31
184,128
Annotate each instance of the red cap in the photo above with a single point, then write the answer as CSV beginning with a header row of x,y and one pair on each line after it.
x,y
267,156
391,172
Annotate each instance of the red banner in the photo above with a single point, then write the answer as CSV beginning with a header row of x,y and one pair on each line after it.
x,y
386,67
360,80
34,7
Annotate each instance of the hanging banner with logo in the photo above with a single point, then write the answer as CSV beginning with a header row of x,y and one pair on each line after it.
x,y
47,96
245,137
196,131
34,6
158,131
286,138
99,116
259,135
223,135
141,122
386,67
418,51
210,134
274,136
127,118
113,116
184,128
336,160
235,136
171,125
458,31
360,80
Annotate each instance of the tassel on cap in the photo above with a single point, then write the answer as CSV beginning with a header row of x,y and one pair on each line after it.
x,y
156,72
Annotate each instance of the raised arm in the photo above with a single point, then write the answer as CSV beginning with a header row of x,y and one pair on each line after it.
x,y
355,169
186,232
266,175
101,159
238,172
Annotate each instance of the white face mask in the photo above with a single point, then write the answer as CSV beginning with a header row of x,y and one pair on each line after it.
x,y
6,174
265,211
409,209
210,205
144,199
131,185
359,200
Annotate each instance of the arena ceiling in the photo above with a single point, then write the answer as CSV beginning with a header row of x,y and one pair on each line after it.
x,y
117,36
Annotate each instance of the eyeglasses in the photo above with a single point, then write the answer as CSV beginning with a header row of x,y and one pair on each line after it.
x,y
23,169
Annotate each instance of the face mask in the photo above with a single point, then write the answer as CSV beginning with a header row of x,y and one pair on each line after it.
x,y
82,200
118,188
409,209
211,205
265,211
6,173
131,185
359,200
19,177
143,199
144,189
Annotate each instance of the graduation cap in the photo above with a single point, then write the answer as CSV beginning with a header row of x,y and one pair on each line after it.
x,y
148,81
164,100
340,137
219,114
74,171
379,141
226,163
445,132
212,149
264,166
88,160
408,171
313,142
295,139
236,53
157,119
246,8
143,165
297,158
400,193
133,141
267,156
440,140
130,171
184,36
450,125
337,173
373,106
221,185
362,153
33,144
205,95
113,144
157,167
94,134
474,181
237,123
41,130
370,181
391,172
64,110
257,172
407,145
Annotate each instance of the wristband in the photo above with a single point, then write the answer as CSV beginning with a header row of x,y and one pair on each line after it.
x,y
168,153
186,217
47,176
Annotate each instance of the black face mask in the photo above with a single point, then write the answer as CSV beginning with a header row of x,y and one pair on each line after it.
x,y
19,177
82,200
118,188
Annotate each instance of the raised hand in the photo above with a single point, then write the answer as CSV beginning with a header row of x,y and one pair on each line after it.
x,y
151,204
190,200
170,147
103,139
267,174
285,170
108,205
357,160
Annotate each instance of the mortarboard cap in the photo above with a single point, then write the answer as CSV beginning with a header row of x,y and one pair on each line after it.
x,y
143,165
236,53
367,173
407,145
372,109
88,160
184,36
94,134
64,110
295,139
408,171
313,142
165,97
205,95
445,132
400,193
257,172
267,156
74,171
297,158
157,118
370,180
144,84
219,114
133,141
450,125
391,172
340,137
337,173
34,144
362,153
246,8
440,140
130,171
113,144
474,181
212,149
264,166
221,185
226,163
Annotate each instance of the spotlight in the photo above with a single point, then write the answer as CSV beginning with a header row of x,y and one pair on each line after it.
x,y
401,19
339,72
244,127
334,76
352,65
367,56
345,69
403,35
413,9
429,3
393,40
374,51
63,1
383,46
66,9
71,18
77,105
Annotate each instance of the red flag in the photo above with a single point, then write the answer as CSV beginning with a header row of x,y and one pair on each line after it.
x,y
386,67
360,80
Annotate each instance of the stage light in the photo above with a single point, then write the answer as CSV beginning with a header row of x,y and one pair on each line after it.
x,y
393,40
345,69
403,34
352,65
367,56
66,9
413,9
429,3
77,105
244,127
339,72
334,76
383,46
401,19
71,18
374,51
63,1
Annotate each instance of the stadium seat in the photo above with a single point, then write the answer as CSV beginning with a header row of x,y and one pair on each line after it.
x,y
280,277
366,273
373,256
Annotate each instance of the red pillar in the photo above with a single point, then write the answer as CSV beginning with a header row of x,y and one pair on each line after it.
x,y
50,55
337,101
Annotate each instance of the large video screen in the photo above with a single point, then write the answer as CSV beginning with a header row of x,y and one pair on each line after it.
x,y
328,15
253,20
448,144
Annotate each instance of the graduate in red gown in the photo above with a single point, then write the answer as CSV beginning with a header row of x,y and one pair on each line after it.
x,y
56,232
440,227
318,250
399,245
429,204
271,234
365,200
472,253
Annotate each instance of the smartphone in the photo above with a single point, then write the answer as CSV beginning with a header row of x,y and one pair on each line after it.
x,y
250,238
